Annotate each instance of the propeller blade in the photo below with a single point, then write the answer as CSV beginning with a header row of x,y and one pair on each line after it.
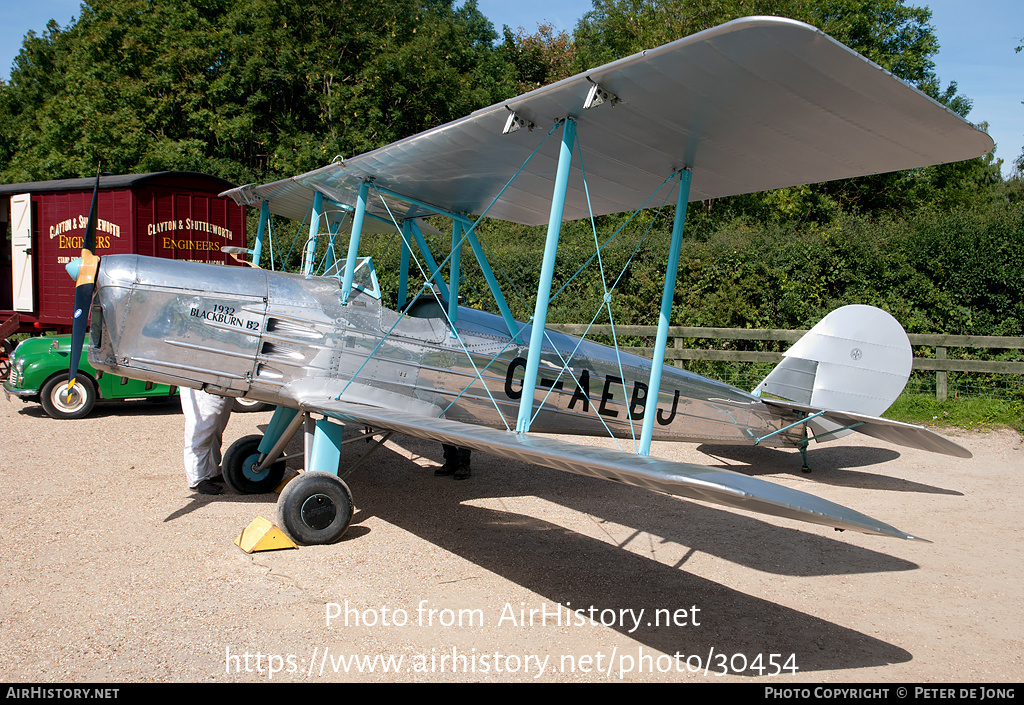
x,y
85,284
89,243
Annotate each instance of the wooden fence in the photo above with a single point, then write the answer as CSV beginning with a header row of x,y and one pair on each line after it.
x,y
940,364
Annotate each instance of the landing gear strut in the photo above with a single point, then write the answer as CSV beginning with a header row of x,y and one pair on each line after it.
x,y
803,454
316,507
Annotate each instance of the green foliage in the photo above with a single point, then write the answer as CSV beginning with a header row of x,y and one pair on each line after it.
x,y
538,59
955,271
1019,161
974,261
249,89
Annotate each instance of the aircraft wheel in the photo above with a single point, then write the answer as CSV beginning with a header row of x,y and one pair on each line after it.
x,y
239,468
315,508
6,351
59,403
242,404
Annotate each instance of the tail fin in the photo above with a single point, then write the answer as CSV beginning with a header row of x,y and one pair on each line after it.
x,y
856,359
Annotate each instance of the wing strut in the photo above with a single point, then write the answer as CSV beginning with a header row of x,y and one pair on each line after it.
x,y
353,243
403,265
654,385
257,247
309,252
547,270
492,282
456,273
428,257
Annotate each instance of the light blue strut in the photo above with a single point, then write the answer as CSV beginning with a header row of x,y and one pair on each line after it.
x,y
403,271
468,228
456,274
667,295
353,243
257,248
428,257
547,270
309,253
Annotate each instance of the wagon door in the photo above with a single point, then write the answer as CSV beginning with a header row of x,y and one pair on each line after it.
x,y
21,252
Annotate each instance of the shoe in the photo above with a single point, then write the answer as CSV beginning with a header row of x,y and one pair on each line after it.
x,y
446,469
462,473
207,487
218,478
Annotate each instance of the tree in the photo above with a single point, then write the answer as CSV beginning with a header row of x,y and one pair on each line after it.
x,y
538,59
245,89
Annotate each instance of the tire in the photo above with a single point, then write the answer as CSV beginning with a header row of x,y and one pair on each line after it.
x,y
60,404
315,508
243,404
6,351
239,468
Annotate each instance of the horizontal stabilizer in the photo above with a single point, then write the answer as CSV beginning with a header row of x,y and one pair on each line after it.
x,y
897,432
698,482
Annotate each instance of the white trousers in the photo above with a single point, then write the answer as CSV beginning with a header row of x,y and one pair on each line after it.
x,y
206,416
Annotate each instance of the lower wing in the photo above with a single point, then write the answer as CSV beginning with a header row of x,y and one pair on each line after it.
x,y
698,482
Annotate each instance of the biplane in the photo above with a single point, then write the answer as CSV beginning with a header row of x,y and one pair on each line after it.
x,y
755,104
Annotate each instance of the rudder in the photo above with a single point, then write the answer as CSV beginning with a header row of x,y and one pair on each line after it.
x,y
857,359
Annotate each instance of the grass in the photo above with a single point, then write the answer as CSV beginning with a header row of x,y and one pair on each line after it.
x,y
975,413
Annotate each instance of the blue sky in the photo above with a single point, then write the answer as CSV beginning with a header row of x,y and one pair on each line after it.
x,y
977,48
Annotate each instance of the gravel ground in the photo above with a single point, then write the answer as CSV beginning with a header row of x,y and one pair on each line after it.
x,y
115,572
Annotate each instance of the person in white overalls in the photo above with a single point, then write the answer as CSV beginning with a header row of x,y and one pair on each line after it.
x,y
206,416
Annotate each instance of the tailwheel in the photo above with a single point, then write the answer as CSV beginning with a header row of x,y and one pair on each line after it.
x,y
803,454
239,468
315,508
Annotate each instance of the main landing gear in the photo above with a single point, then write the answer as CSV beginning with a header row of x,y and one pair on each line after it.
x,y
315,507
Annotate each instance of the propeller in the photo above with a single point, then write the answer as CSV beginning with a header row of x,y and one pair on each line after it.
x,y
84,272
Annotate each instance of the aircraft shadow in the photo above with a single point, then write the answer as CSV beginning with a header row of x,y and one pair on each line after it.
x,y
565,566
669,520
198,501
715,531
830,465
108,409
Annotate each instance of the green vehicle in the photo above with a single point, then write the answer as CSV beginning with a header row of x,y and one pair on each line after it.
x,y
39,372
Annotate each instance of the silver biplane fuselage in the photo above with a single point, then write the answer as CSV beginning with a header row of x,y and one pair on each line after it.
x,y
287,339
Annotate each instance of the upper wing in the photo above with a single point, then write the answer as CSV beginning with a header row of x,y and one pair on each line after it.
x,y
903,434
755,104
683,479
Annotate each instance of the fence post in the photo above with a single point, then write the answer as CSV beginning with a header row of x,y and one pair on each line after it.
x,y
940,376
